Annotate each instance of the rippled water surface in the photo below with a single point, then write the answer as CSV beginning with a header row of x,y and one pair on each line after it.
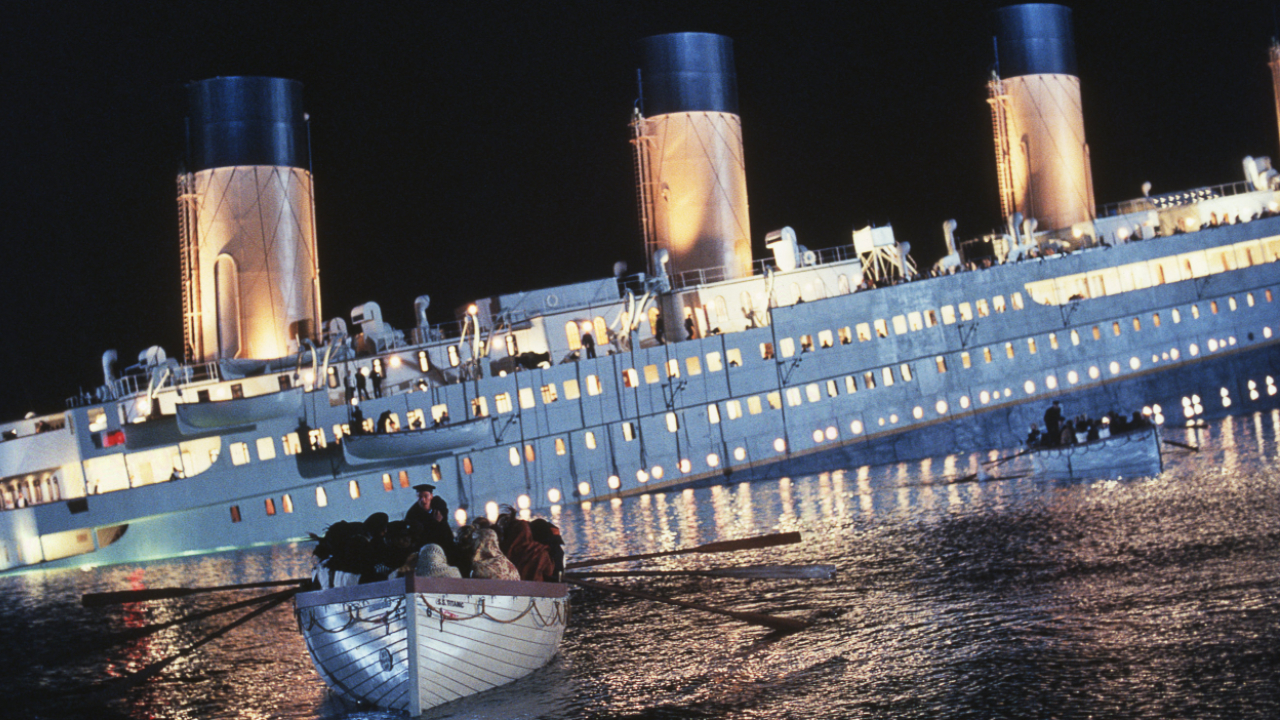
x,y
1013,597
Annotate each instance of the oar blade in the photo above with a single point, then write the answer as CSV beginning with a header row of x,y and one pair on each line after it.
x,y
751,543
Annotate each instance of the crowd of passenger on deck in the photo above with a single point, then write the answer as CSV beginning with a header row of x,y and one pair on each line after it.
x,y
1060,431
423,544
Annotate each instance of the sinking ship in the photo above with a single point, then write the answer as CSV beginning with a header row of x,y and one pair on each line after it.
x,y
710,366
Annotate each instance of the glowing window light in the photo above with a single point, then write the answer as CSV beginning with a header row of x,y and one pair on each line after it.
x,y
614,482
1051,382
1213,345
1194,349
856,427
584,488
964,402
1029,387
941,407
514,457
553,495
641,475
322,498
780,445
1114,367
1174,354
893,419
984,397
685,465
460,516
491,509
1134,363
713,460
817,436
917,412
832,433
353,488
1094,372
739,454
523,502
657,472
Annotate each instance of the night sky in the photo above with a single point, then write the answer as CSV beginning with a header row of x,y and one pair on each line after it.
x,y
471,148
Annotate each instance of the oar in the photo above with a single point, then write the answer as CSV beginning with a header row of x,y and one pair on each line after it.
x,y
141,632
750,572
751,543
129,681
1192,448
777,623
118,597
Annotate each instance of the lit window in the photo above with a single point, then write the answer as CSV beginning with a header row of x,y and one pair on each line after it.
x,y
673,368
239,453
651,374
454,359
1075,338
766,351
1195,312
882,330
560,449
1072,377
593,385
1053,340
235,513
793,396
864,332
502,403
997,302
266,448
1115,328
833,390
526,398
287,503
693,365
915,320
322,498
387,484
986,354
965,361
713,413
549,394
1213,307
905,371
1029,387
825,339
479,407
573,335
899,325
439,413
513,457
734,357
982,309
590,440
942,364
775,401
850,384
467,467
948,315
734,408
1097,334
713,363
628,431
887,374
353,489
673,423
1017,301
1137,325
424,363
1031,345
753,405
930,318
787,347
869,380
404,476
1008,350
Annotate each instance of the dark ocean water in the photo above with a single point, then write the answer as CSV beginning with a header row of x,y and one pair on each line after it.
x,y
1006,598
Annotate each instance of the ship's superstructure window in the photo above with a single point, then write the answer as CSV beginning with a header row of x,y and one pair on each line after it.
x,y
787,347
424,362
1137,325
416,418
549,394
673,368
479,407
439,413
1075,337
966,312
887,375
825,339
1053,340
573,335
734,357
1017,300
630,378
1195,312
454,359
1177,316
589,439
673,422
850,385
941,363
882,330
235,513
1155,319
1097,334
899,324
775,400
651,374
948,314
753,405
986,354
287,503
353,489
628,431
601,330
266,448
713,363
1031,346
693,365
793,396
766,351
513,456
846,335
983,311
322,497
292,444
1008,350
997,302
332,374
387,484
965,361
833,390
526,398
734,409
512,347
1213,306
869,380
1115,328
560,448
593,385
864,332
713,414
905,371
502,403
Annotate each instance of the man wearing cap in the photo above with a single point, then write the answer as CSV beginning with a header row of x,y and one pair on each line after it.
x,y
429,525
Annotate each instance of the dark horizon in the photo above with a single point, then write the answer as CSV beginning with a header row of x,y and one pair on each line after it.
x,y
466,151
